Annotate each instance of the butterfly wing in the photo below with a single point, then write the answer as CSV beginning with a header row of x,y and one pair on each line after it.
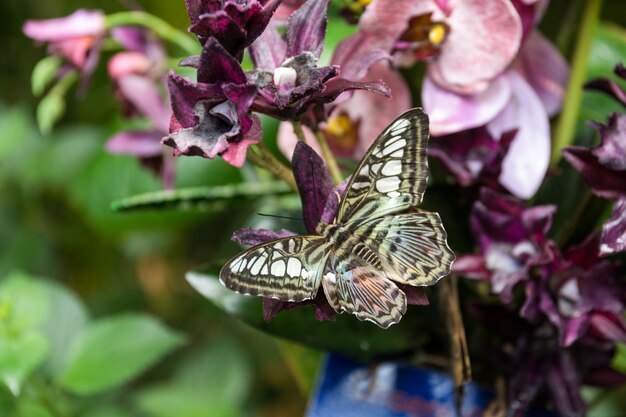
x,y
356,287
392,176
288,269
411,246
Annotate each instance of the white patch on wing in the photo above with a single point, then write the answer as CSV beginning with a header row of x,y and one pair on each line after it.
x,y
330,277
376,167
278,268
292,246
358,185
364,171
388,184
258,264
264,270
394,147
398,154
293,267
399,125
393,167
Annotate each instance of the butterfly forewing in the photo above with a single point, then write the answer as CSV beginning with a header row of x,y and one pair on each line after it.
x,y
392,176
356,287
411,246
288,269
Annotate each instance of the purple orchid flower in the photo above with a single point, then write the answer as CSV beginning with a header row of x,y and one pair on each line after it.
x,y
467,43
212,117
320,202
512,241
522,99
234,23
349,128
287,73
137,74
472,156
76,37
604,167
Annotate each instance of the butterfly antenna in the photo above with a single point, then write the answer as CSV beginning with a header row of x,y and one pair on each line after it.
x,y
278,217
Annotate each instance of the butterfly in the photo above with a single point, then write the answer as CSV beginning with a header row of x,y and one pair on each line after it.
x,y
379,237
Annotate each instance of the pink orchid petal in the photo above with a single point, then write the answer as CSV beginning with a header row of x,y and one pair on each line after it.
x,y
355,58
545,69
450,112
386,20
287,140
80,23
525,165
236,152
362,105
127,63
484,38
141,143
144,95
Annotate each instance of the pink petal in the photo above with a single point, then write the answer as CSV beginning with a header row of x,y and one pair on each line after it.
x,y
127,63
545,69
386,20
141,143
525,165
80,23
287,140
144,95
484,38
236,152
363,104
450,112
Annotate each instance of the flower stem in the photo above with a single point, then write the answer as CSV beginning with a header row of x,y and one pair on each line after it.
x,y
260,156
331,162
297,130
566,127
158,26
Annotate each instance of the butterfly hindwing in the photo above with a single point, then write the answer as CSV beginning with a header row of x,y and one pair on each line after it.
x,y
356,287
288,269
411,246
392,176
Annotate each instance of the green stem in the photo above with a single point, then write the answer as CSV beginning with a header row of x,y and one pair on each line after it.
x,y
331,162
566,127
160,27
260,156
297,130
64,84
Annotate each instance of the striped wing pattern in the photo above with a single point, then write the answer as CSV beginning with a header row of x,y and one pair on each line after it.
x,y
379,236
288,269
393,174
411,246
356,287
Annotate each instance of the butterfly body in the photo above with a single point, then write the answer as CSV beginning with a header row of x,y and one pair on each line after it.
x,y
379,238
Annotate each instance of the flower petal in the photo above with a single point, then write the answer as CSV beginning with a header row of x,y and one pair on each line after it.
x,y
184,95
217,65
81,23
614,230
484,37
140,143
237,150
306,28
144,95
525,165
546,71
269,50
314,184
354,58
450,112
252,237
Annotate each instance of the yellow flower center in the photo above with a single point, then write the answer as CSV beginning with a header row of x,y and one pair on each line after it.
x,y
437,33
342,134
358,6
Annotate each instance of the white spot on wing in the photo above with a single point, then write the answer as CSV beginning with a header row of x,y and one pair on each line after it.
x,y
359,185
394,147
293,267
330,277
364,171
399,124
388,184
393,167
376,167
265,271
278,268
258,264
398,154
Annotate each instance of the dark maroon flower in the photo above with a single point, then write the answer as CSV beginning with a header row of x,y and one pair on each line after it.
x,y
233,23
287,72
609,86
512,241
212,116
604,169
472,156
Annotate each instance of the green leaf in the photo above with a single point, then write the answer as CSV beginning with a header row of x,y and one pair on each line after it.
x,y
112,351
23,307
199,198
346,335
49,111
44,73
66,320
619,360
211,382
